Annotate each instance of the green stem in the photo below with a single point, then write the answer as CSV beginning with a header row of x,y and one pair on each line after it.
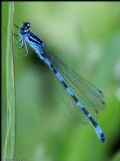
x,y
9,152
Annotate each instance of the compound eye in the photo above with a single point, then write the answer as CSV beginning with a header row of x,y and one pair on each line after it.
x,y
28,25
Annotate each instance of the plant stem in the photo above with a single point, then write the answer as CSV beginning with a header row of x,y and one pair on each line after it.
x,y
9,152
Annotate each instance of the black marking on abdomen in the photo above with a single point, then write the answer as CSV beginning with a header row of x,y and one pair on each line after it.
x,y
43,55
64,84
75,98
85,111
53,69
93,121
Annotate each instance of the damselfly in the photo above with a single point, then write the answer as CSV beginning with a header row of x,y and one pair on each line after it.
x,y
85,98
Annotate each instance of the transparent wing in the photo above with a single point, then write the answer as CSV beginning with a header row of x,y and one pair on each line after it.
x,y
91,97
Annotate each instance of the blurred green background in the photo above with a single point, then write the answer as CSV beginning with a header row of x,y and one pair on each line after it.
x,y
86,36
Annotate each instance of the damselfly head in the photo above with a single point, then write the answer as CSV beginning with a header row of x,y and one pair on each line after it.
x,y
26,25
24,28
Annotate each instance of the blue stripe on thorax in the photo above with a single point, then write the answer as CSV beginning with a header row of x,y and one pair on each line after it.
x,y
34,38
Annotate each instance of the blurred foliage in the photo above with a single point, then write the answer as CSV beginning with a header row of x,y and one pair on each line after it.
x,y
86,36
